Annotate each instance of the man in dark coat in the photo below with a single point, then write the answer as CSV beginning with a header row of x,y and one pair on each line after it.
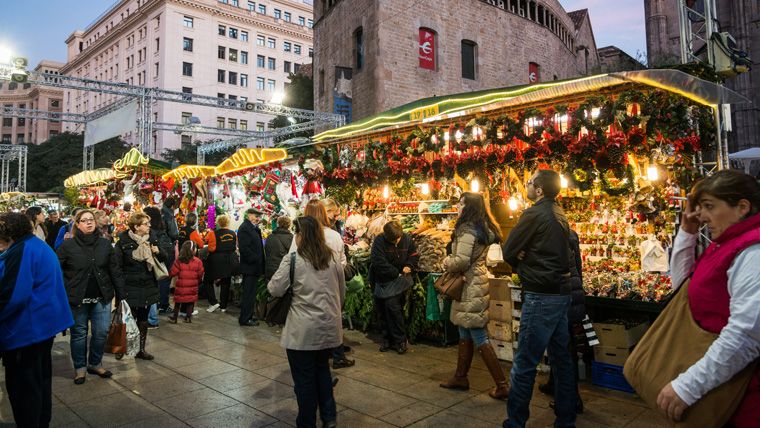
x,y
277,246
252,264
53,225
170,221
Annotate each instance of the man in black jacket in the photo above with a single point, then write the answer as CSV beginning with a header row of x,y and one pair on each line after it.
x,y
53,224
252,264
167,215
538,247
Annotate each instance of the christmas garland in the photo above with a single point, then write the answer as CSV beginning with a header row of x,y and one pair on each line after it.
x,y
626,183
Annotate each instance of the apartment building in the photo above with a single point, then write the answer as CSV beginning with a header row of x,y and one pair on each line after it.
x,y
20,130
232,49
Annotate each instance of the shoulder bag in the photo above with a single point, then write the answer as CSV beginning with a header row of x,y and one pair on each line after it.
x,y
673,344
278,307
451,284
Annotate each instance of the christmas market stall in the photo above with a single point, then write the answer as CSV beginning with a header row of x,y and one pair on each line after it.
x,y
628,146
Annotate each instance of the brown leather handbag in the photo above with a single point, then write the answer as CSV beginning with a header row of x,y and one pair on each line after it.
x,y
673,344
116,342
451,284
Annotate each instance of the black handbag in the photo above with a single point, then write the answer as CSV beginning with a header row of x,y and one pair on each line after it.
x,y
278,307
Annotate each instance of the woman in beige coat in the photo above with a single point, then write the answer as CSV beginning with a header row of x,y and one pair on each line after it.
x,y
475,231
314,324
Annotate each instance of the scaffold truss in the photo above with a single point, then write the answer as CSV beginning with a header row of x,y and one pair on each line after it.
x,y
8,154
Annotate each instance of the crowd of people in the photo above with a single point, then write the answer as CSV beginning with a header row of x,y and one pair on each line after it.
x,y
76,273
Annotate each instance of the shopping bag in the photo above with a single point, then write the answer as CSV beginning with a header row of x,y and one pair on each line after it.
x,y
116,341
159,270
132,332
355,284
494,255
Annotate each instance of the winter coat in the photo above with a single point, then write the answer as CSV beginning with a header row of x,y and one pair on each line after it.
x,y
276,248
79,260
189,233
52,231
252,259
315,319
387,261
577,310
334,241
140,285
166,245
167,215
223,261
468,256
542,233
189,276
33,302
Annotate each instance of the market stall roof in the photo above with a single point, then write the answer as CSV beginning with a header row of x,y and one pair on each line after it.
x,y
746,157
447,107
241,160
120,169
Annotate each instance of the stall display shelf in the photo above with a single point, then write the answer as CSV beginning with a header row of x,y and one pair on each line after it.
x,y
625,304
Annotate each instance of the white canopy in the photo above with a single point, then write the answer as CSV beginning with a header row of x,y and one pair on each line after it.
x,y
746,157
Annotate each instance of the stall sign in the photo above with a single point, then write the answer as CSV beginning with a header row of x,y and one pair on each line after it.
x,y
424,112
88,178
130,161
190,171
249,158
427,49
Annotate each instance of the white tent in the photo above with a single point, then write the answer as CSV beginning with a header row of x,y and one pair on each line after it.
x,y
746,157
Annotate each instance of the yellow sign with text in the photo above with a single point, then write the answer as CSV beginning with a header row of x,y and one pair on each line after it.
x,y
424,113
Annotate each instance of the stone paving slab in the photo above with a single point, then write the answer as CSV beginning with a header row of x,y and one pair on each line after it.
x,y
214,373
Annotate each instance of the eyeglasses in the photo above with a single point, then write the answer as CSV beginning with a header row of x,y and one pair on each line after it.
x,y
145,224
87,220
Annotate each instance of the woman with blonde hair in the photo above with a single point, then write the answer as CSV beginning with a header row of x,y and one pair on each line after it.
x,y
223,261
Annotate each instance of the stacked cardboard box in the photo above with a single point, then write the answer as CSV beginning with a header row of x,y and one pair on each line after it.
x,y
616,339
500,317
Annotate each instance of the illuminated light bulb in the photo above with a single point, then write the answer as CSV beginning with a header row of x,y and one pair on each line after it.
x,y
563,181
458,136
386,192
129,199
446,136
477,132
434,139
425,189
475,185
652,173
512,203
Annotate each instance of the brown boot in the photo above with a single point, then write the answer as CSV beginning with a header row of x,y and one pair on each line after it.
x,y
464,359
143,327
501,392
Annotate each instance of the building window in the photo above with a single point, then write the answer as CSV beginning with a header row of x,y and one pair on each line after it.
x,y
260,61
220,100
271,43
222,30
262,9
301,21
232,123
220,76
358,48
297,49
233,55
187,22
272,64
7,138
271,85
310,23
235,3
260,83
221,52
251,6
277,13
232,78
243,36
260,40
311,52
244,80
296,68
55,103
287,16
19,138
158,44
186,90
186,117
187,69
220,122
187,44
156,67
243,125
286,66
233,33
243,57
260,126
232,97
286,46
469,52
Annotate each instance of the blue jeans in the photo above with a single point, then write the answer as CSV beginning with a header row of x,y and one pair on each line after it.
x,y
477,335
99,316
543,325
153,315
313,386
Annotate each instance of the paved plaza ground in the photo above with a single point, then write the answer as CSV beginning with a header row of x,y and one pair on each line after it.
x,y
213,373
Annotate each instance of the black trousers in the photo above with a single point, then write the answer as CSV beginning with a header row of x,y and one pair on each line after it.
x,y
28,378
248,298
224,292
391,311
313,386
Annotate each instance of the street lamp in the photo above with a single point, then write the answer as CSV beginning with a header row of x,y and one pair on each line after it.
x,y
5,55
278,97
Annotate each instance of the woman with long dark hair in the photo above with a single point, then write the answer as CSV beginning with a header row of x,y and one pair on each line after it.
x,y
474,232
92,278
314,325
37,216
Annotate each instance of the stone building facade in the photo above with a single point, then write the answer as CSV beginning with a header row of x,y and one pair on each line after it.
x,y
373,55
19,130
232,49
740,18
612,59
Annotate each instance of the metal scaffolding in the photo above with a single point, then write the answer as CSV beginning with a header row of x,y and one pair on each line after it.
x,y
8,154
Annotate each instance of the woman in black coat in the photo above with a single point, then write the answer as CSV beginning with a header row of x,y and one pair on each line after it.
x,y
137,250
223,261
166,244
277,246
92,278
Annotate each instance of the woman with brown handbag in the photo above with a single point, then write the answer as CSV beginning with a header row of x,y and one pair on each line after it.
x,y
474,232
723,293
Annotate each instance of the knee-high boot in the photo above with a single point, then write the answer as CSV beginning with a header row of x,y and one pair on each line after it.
x,y
143,327
501,392
464,359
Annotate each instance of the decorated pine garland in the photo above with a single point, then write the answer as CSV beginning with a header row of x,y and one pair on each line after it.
x,y
625,186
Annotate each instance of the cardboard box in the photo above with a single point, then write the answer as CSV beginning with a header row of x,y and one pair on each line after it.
x,y
499,330
516,313
611,355
498,289
515,327
516,293
500,310
618,336
503,350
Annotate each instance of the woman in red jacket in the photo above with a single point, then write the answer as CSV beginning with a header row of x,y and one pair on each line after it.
x,y
189,272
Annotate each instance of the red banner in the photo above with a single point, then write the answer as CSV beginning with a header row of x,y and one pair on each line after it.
x,y
427,49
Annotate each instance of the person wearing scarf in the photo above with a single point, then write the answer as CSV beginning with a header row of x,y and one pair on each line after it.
x,y
92,278
137,253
